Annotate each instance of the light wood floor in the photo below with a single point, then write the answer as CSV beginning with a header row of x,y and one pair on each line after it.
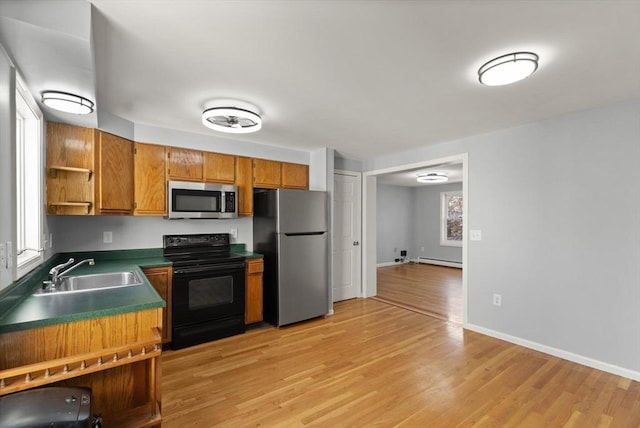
x,y
374,364
433,290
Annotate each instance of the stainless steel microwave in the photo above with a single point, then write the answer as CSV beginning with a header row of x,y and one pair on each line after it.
x,y
202,200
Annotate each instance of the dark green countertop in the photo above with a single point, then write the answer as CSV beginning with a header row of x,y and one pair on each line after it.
x,y
240,250
20,310
39,311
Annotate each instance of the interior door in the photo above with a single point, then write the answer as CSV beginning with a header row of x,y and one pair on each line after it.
x,y
347,250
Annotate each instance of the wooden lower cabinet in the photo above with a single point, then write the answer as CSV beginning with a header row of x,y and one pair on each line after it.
x,y
117,356
161,279
253,291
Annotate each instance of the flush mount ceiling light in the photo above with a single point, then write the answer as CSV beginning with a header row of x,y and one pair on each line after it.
x,y
68,103
508,68
432,177
229,118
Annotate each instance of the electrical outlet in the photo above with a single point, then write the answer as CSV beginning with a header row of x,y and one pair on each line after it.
x,y
422,249
497,299
51,240
3,257
395,249
107,237
475,235
234,233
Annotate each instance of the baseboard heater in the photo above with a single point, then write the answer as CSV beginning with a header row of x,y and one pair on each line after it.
x,y
439,262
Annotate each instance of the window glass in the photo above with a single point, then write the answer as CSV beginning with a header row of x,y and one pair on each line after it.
x,y
451,220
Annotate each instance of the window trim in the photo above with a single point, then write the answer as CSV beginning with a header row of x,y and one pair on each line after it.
x,y
444,201
31,258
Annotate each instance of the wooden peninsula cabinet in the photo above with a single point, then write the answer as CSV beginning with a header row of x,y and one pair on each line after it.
x,y
117,356
253,290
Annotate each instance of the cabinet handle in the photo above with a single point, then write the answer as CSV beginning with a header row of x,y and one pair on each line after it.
x,y
355,243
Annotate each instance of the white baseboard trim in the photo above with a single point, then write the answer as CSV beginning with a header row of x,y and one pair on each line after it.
x,y
439,262
387,264
560,353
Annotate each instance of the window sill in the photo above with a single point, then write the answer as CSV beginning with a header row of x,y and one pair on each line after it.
x,y
28,261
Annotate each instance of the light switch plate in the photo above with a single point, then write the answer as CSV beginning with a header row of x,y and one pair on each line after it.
x,y
475,235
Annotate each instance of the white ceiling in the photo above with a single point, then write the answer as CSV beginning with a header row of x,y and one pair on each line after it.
x,y
367,78
409,177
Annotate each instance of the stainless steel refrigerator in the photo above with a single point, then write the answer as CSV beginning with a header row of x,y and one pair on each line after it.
x,y
290,230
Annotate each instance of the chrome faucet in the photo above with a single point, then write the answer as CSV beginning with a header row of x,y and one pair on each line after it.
x,y
55,275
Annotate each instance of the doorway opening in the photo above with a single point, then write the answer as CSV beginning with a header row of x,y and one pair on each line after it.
x,y
421,266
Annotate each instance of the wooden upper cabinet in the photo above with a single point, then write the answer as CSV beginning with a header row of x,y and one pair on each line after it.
x,y
114,174
184,164
295,176
219,168
70,169
150,193
267,174
244,182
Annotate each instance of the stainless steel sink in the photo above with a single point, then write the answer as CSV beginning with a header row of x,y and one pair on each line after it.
x,y
98,281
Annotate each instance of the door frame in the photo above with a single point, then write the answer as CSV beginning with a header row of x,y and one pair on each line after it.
x,y
360,287
369,238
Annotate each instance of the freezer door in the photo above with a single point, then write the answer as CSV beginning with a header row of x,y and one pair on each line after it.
x,y
301,211
303,286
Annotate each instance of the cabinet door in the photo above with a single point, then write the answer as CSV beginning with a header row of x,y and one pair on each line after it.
x,y
244,181
184,164
253,291
150,184
219,168
114,173
266,173
295,176
161,279
70,167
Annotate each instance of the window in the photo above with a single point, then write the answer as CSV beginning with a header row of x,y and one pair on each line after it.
x,y
29,187
451,219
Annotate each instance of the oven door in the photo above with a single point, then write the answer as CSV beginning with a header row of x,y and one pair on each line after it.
x,y
208,303
207,293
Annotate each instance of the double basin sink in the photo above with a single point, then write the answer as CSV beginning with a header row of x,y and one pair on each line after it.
x,y
98,281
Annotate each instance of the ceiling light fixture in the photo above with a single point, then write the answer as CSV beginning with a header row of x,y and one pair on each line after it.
x,y
508,68
66,102
231,119
432,177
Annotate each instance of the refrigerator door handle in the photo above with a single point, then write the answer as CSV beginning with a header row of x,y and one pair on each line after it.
x,y
304,233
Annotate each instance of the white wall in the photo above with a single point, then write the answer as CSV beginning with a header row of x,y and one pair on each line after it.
x,y
84,233
395,222
558,204
426,225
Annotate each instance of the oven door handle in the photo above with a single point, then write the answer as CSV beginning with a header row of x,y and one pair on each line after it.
x,y
209,268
